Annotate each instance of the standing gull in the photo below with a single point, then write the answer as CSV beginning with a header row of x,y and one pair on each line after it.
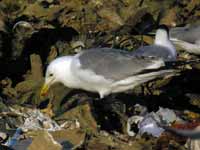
x,y
104,71
162,47
188,38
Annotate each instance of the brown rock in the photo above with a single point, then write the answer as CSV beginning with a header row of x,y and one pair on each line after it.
x,y
83,114
74,136
36,67
2,24
44,141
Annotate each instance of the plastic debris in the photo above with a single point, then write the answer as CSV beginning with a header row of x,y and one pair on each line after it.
x,y
133,120
38,120
149,125
71,124
12,141
168,116
140,109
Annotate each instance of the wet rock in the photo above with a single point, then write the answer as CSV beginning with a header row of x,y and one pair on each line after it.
x,y
83,114
44,141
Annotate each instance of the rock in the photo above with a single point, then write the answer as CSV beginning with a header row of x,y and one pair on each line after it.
x,y
3,137
111,16
44,141
75,136
36,67
194,99
83,114
111,142
2,23
170,17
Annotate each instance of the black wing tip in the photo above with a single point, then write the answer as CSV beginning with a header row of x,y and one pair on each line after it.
x,y
163,27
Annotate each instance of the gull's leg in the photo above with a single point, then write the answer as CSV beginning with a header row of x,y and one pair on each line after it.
x,y
48,110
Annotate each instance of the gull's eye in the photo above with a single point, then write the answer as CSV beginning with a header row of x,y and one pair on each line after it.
x,y
51,74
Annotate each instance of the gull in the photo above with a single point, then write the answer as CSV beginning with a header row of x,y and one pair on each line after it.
x,y
187,37
162,47
104,71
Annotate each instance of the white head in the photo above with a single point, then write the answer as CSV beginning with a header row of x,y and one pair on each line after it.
x,y
54,72
162,35
162,39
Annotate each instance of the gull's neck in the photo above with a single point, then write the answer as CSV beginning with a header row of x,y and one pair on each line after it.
x,y
66,75
162,39
61,67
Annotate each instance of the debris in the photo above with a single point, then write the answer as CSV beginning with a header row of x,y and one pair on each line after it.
x,y
131,121
37,121
12,141
166,115
149,125
194,144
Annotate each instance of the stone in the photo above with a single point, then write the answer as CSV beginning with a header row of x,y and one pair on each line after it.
x,y
44,141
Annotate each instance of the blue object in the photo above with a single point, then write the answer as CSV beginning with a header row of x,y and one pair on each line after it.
x,y
12,141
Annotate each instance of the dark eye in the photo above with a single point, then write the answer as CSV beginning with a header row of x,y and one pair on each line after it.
x,y
51,74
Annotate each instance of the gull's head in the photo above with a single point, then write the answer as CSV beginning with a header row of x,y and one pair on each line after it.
x,y
162,39
162,35
54,73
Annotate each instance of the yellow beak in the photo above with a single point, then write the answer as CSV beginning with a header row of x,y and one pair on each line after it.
x,y
44,90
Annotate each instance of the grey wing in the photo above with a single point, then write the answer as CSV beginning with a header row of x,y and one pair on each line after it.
x,y
189,34
154,51
116,64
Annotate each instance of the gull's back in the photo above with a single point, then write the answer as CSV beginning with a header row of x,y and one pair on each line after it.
x,y
155,51
114,64
189,33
